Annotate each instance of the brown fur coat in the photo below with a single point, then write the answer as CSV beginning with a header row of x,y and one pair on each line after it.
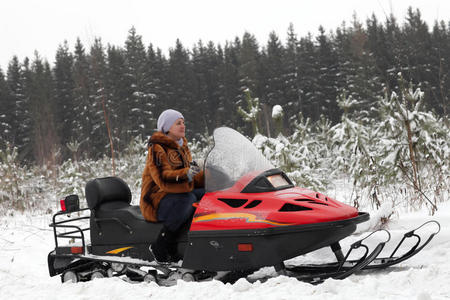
x,y
165,172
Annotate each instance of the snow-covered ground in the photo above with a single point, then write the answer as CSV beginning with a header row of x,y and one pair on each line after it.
x,y
26,240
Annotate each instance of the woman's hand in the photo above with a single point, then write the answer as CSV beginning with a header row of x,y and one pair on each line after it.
x,y
194,169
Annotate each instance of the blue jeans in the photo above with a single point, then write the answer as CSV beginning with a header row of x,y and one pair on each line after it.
x,y
175,209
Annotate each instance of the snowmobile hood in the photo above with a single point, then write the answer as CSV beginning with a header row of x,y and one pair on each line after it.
x,y
227,210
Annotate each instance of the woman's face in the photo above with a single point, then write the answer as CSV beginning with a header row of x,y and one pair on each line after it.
x,y
177,130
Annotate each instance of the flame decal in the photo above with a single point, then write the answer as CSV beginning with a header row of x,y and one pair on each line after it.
x,y
250,218
116,251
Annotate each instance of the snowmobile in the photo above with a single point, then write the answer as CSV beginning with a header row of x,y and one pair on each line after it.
x,y
251,216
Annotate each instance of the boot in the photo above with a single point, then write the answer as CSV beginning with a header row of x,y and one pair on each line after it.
x,y
163,247
172,246
159,248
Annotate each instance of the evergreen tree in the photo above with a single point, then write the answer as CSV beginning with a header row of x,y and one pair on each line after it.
x,y
249,61
393,52
18,80
118,86
45,140
416,52
157,66
324,100
207,66
222,117
357,77
231,85
440,69
251,114
343,53
82,90
307,77
290,77
273,85
351,149
99,108
249,69
6,110
64,96
415,144
181,87
416,46
140,113
377,44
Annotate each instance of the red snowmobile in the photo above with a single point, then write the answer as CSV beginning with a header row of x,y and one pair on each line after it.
x,y
250,217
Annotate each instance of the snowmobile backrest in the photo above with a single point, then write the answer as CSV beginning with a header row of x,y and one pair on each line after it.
x,y
106,190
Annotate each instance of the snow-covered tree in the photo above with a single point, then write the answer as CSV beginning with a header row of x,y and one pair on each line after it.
x,y
351,150
298,155
415,144
251,114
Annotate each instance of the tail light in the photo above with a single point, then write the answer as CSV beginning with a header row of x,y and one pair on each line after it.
x,y
63,204
76,250
70,203
245,247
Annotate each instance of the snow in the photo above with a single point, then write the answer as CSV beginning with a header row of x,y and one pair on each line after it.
x,y
277,112
26,239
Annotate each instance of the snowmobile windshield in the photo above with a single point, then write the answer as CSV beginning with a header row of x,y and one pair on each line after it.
x,y
232,157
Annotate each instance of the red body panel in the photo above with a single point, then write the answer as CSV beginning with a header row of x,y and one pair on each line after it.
x,y
214,214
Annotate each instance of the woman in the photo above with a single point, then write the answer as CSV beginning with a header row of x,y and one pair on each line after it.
x,y
171,183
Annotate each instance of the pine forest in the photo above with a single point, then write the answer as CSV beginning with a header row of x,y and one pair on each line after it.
x,y
368,101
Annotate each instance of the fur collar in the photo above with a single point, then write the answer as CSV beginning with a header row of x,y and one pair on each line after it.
x,y
160,138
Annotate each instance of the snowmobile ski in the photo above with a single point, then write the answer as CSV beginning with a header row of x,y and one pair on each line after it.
x,y
342,269
381,263
339,270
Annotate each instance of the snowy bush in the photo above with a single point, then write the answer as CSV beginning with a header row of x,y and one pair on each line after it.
x,y
415,146
299,155
22,188
403,158
39,188
11,177
352,155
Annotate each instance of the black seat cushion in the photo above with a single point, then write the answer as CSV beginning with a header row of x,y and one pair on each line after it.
x,y
100,191
116,225
119,210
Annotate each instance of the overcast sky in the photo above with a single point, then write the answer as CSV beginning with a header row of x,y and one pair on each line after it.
x,y
42,25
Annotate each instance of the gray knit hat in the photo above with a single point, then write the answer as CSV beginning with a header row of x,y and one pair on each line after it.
x,y
167,118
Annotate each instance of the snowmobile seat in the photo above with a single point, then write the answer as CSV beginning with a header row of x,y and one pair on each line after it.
x,y
113,219
108,192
